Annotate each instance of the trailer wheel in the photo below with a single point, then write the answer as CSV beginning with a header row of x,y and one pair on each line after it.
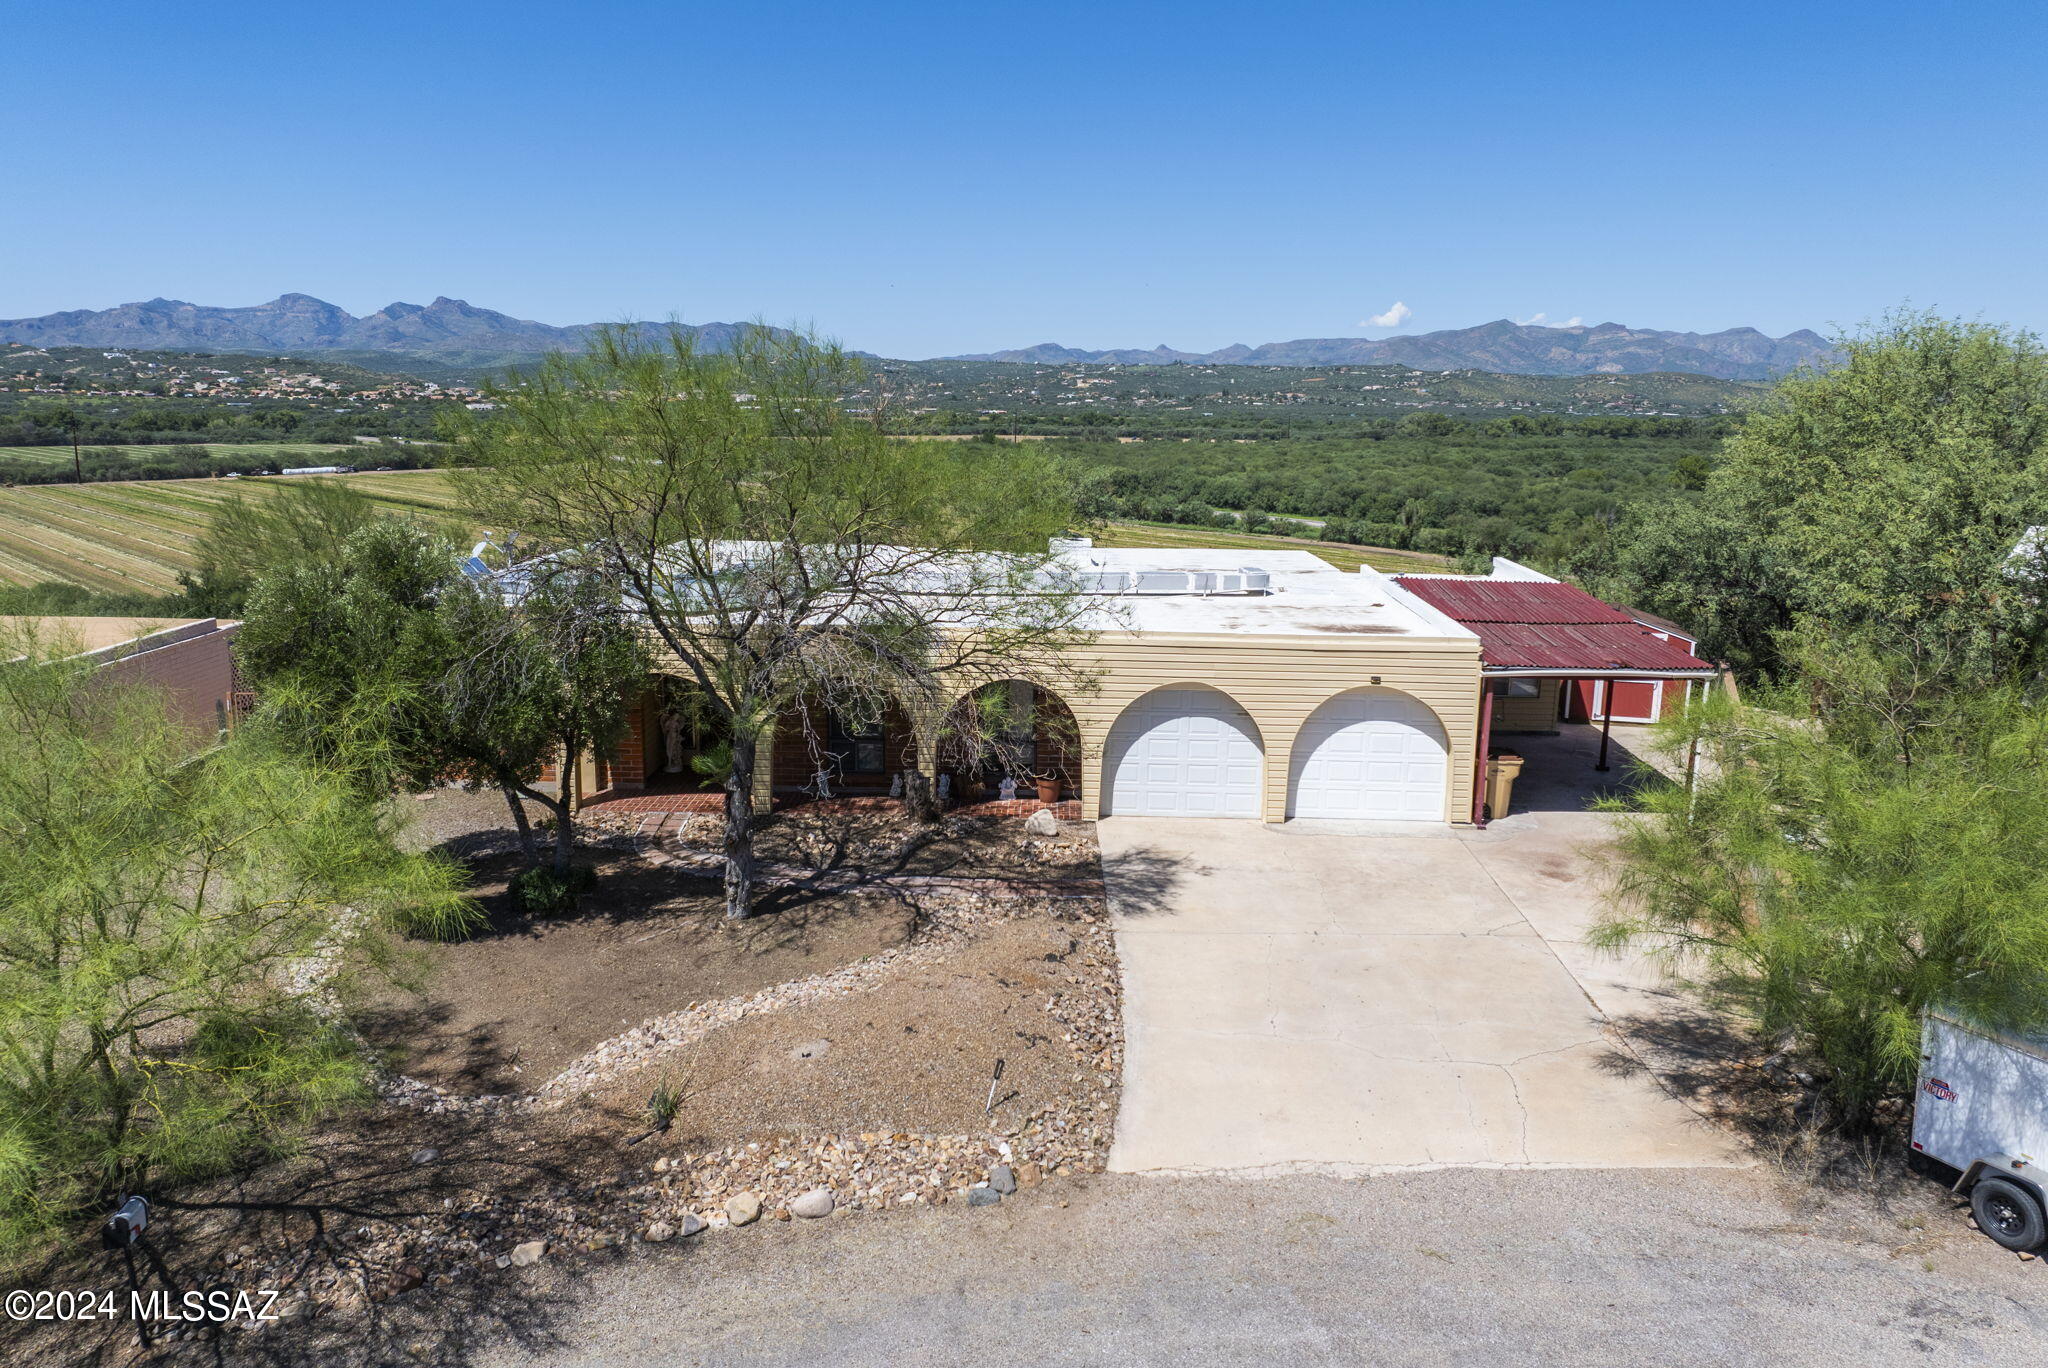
x,y
2008,1213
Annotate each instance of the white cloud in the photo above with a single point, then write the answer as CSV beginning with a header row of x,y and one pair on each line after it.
x,y
1544,321
1392,318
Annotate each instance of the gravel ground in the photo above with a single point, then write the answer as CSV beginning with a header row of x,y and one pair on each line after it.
x,y
1451,1267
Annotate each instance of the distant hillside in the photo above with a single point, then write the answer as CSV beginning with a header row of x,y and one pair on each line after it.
x,y
449,329
1501,347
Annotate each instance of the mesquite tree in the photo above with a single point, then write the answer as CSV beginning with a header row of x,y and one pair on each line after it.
x,y
780,550
544,677
387,664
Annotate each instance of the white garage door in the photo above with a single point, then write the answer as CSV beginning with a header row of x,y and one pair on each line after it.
x,y
1184,753
1371,755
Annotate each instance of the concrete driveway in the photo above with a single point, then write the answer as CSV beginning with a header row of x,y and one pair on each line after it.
x,y
1367,997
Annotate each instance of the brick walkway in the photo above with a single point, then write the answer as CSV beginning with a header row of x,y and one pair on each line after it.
x,y
628,800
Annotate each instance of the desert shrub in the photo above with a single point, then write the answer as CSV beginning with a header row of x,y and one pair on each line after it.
x,y
179,934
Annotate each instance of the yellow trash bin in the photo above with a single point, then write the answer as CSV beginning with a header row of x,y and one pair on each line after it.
x,y
1500,783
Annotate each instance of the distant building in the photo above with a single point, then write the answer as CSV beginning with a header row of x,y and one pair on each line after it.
x,y
188,658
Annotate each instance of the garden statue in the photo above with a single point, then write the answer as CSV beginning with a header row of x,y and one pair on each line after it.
x,y
672,740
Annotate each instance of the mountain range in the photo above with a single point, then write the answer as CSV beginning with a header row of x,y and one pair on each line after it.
x,y
300,323
454,329
1503,347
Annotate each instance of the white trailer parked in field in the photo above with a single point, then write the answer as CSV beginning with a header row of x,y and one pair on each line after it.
x,y
1982,1110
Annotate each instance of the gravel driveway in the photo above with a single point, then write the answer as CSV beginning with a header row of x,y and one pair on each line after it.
x,y
1630,1268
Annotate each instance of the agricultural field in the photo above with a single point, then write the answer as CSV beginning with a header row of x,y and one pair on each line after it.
x,y
285,453
1339,554
135,537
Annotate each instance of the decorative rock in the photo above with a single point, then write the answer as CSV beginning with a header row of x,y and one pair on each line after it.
x,y
660,1232
981,1194
745,1209
1029,1174
1003,1179
813,1204
529,1253
692,1223
1042,823
425,1156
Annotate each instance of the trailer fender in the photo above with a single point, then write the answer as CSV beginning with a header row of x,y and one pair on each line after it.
x,y
2015,1171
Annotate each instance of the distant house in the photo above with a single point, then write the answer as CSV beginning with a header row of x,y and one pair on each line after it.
x,y
190,659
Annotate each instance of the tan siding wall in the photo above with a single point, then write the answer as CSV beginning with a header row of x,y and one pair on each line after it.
x,y
1538,714
1281,681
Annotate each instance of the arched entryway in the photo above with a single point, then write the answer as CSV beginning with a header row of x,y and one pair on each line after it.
x,y
1183,751
1011,729
1376,754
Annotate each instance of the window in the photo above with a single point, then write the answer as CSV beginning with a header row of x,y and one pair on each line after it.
x,y
857,746
1519,688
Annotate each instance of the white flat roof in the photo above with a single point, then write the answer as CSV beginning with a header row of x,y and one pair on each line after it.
x,y
1309,597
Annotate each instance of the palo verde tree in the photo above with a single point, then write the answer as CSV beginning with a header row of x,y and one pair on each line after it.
x,y
780,550
1832,885
177,932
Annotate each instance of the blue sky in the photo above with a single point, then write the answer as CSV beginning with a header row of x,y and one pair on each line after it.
x,y
925,179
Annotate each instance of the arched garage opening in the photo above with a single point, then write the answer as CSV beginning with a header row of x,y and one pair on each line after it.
x,y
1183,751
1374,754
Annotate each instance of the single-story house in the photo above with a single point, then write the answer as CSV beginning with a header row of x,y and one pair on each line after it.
x,y
190,659
1283,690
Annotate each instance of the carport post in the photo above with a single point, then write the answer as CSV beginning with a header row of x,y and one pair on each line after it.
x,y
1606,722
1485,740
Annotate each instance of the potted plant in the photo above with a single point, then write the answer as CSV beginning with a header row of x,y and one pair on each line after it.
x,y
1048,788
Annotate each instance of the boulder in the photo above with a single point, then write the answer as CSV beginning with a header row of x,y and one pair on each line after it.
x,y
813,1204
1003,1179
1042,823
744,1209
529,1253
981,1195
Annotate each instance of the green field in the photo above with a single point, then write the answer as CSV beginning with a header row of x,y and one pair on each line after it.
x,y
287,453
1343,556
135,537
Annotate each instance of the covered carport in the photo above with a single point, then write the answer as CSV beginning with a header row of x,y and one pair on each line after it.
x,y
1542,643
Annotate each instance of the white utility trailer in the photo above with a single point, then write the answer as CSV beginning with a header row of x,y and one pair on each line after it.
x,y
1982,1110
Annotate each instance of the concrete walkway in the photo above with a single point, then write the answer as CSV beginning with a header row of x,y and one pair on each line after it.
x,y
1365,997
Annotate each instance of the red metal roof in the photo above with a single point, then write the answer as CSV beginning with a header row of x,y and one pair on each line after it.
x,y
1531,625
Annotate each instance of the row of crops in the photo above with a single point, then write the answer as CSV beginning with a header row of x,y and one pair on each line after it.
x,y
286,453
135,537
